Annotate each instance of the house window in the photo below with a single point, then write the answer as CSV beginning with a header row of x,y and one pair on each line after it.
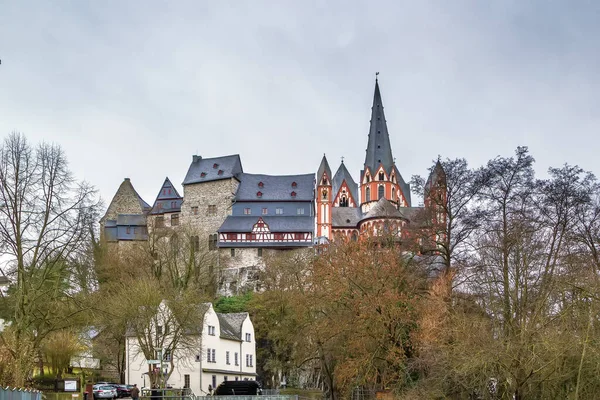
x,y
247,360
279,210
259,252
214,357
247,211
173,204
212,242
186,381
368,179
128,230
344,201
278,236
159,330
214,381
251,236
293,194
324,181
220,172
211,330
232,236
258,194
212,209
167,356
232,252
215,165
196,243
160,222
324,194
381,176
195,210
381,192
135,230
248,337
174,219
202,175
265,211
260,184
299,236
235,358
393,194
208,354
368,194
159,205
294,184
227,358
251,361
300,211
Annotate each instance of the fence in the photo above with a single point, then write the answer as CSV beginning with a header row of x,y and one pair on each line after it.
x,y
19,394
263,397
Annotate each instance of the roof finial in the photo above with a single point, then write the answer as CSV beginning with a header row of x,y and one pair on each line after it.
x,y
376,74
342,159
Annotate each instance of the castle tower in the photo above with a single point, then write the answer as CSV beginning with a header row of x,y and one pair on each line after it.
x,y
324,200
435,201
380,178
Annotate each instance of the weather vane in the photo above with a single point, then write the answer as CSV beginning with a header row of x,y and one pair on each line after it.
x,y
376,74
342,159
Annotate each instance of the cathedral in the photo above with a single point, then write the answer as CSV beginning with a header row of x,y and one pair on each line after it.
x,y
240,216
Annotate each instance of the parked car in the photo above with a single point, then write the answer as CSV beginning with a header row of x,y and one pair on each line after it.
x,y
104,392
238,388
123,390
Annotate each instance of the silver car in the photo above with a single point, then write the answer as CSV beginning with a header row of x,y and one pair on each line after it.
x,y
104,392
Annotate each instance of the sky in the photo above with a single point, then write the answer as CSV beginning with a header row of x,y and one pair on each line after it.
x,y
135,88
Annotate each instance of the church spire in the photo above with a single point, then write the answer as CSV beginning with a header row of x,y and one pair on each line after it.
x,y
379,150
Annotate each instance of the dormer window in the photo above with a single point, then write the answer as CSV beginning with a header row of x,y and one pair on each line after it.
x,y
368,179
220,172
324,181
293,194
258,194
203,174
215,165
381,176
260,184
294,184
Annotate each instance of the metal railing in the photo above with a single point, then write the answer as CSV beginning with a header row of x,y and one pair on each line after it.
x,y
19,394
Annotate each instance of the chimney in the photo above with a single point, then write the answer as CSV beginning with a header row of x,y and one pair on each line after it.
x,y
127,179
196,158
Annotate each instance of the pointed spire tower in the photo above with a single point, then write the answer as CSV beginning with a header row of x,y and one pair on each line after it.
x,y
380,178
324,199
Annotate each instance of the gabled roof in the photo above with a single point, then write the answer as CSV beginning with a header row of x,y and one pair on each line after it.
x,y
125,201
230,325
405,187
166,196
342,175
384,209
213,169
276,224
323,168
258,187
379,150
345,217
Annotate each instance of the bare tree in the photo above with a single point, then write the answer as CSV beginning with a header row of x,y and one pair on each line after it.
x,y
46,218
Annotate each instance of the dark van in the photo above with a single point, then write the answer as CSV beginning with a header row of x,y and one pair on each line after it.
x,y
238,388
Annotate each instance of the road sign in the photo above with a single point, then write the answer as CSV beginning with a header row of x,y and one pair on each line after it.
x,y
153,361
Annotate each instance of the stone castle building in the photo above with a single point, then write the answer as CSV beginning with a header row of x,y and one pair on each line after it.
x,y
239,217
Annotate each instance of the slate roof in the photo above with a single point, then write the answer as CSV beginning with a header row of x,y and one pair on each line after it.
x,y
341,175
324,168
405,187
166,196
436,174
125,189
379,150
230,325
275,187
342,217
213,169
384,209
131,220
276,224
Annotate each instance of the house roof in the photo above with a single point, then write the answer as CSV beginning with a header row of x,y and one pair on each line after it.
x,y
167,195
131,220
230,325
345,217
405,187
258,187
342,175
275,224
213,169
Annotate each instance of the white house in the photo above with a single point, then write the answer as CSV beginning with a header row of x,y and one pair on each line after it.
x,y
226,351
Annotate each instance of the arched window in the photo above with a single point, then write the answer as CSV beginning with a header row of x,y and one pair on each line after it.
x,y
367,194
354,236
381,192
393,194
368,179
324,194
381,177
343,201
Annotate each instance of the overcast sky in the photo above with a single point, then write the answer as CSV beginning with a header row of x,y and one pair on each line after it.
x,y
135,88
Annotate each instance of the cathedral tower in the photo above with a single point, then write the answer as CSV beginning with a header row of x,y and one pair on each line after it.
x,y
380,178
324,200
